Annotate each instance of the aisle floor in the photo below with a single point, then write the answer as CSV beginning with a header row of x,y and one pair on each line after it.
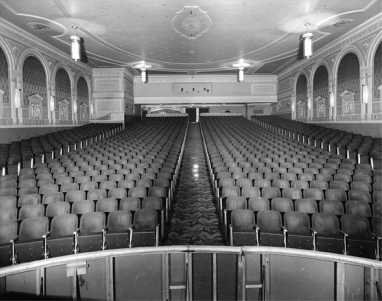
x,y
193,218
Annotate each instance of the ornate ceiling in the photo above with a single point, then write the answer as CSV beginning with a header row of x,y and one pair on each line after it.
x,y
182,37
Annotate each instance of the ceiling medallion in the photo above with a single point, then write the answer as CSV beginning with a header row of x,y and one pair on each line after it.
x,y
342,22
191,22
39,26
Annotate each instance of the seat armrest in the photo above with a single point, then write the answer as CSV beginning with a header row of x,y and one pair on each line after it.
x,y
345,236
15,240
157,235
103,234
230,235
13,258
378,241
314,235
285,233
257,229
45,245
76,248
131,231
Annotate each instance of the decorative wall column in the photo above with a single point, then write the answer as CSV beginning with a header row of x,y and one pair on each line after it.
x,y
74,105
366,78
51,106
333,93
110,95
309,101
293,105
246,108
16,82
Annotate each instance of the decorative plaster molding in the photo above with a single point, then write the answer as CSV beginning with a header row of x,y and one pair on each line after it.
x,y
17,48
210,78
191,22
108,73
31,42
364,44
351,37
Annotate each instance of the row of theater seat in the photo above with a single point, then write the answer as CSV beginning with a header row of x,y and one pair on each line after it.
x,y
268,170
37,149
134,170
67,234
309,206
351,235
355,146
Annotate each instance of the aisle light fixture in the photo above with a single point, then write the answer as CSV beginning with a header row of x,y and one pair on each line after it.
x,y
75,45
143,66
240,66
307,41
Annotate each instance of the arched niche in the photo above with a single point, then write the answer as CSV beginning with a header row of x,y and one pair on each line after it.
x,y
35,106
347,102
63,109
1,102
321,106
301,108
83,112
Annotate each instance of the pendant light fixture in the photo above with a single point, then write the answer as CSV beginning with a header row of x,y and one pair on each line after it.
x,y
307,40
240,66
75,45
143,66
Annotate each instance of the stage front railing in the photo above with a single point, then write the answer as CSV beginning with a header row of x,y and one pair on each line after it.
x,y
195,273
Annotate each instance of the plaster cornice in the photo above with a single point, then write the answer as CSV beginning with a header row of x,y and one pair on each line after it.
x,y
24,38
369,27
207,78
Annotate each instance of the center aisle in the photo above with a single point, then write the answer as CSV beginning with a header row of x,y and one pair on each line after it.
x,y
193,218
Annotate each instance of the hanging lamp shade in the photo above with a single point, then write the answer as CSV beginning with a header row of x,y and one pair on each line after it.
x,y
308,47
143,66
75,47
143,75
241,75
240,66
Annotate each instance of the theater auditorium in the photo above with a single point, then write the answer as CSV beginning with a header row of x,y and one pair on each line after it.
x,y
175,150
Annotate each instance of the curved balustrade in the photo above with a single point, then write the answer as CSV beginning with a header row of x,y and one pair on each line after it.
x,y
196,273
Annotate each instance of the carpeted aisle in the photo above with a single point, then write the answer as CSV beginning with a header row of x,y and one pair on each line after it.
x,y
193,218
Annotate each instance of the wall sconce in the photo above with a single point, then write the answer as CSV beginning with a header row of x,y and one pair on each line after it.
x,y
279,105
307,41
293,106
17,98
75,106
143,66
309,103
240,66
365,94
331,99
52,103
